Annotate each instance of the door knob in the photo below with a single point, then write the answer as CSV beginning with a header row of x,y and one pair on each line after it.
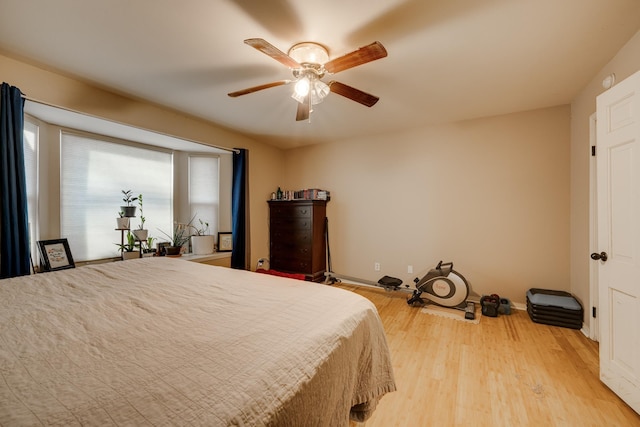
x,y
599,256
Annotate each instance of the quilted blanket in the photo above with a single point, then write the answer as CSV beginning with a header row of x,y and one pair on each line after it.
x,y
160,341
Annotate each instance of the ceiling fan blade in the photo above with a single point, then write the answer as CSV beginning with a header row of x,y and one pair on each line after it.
x,y
353,93
269,49
257,88
303,110
358,57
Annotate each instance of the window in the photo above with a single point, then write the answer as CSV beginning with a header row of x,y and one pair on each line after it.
x,y
30,141
204,191
93,173
77,166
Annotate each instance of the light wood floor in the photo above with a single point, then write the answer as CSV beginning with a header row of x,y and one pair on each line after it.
x,y
505,371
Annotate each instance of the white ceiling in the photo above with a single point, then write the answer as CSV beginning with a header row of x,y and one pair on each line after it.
x,y
448,59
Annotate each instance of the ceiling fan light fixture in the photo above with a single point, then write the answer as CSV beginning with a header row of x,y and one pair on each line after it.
x,y
302,87
313,87
319,92
297,97
309,53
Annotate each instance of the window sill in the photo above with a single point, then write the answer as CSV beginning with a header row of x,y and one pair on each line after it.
x,y
201,258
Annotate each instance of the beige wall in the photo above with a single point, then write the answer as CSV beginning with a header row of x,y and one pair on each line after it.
x,y
625,63
265,162
491,195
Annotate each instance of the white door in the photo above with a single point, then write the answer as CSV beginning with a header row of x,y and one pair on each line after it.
x,y
618,176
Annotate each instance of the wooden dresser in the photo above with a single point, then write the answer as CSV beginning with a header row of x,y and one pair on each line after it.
x,y
297,237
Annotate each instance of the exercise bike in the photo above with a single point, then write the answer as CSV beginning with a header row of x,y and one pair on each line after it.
x,y
442,286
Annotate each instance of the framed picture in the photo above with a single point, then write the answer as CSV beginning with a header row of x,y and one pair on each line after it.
x,y
55,255
161,248
225,242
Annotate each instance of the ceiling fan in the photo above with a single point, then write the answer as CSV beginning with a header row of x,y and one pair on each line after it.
x,y
309,63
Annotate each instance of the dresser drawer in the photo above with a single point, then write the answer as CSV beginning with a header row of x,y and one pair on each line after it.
x,y
283,240
290,249
291,264
291,223
285,210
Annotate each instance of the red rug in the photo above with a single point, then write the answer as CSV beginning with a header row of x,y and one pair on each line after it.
x,y
298,276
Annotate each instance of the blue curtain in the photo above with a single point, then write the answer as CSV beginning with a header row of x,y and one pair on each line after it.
x,y
239,209
14,222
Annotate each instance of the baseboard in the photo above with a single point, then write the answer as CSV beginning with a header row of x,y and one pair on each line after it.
x,y
519,306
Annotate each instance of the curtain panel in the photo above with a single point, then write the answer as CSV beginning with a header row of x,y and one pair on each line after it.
x,y
239,193
14,219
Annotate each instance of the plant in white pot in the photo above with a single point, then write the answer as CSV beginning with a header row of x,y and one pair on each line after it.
x,y
129,209
122,221
141,233
201,242
128,249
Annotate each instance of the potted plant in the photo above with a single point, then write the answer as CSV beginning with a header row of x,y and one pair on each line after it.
x,y
202,242
179,237
141,233
122,221
147,247
128,249
129,209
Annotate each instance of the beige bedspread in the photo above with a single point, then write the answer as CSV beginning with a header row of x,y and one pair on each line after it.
x,y
160,341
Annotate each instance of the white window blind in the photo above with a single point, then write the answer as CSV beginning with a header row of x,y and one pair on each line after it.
x,y
93,174
30,143
204,192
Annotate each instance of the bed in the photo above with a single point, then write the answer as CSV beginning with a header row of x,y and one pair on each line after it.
x,y
163,341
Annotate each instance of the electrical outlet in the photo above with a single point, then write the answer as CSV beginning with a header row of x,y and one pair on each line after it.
x,y
376,266
410,269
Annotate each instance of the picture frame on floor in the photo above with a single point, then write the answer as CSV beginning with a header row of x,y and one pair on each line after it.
x,y
55,254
